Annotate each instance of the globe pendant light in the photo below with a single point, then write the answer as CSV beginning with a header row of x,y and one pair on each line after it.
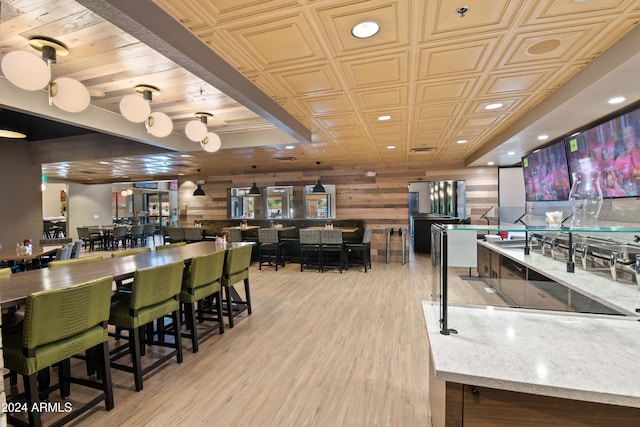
x,y
254,190
26,71
211,143
318,188
196,130
199,191
136,108
159,124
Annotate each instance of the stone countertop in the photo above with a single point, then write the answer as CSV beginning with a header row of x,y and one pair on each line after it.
x,y
622,296
575,356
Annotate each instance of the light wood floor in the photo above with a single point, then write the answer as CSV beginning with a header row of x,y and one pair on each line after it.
x,y
320,349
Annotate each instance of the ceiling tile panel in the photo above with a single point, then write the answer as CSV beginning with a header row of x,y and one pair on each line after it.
x,y
483,17
443,90
285,41
347,132
381,97
462,58
340,120
337,22
424,112
327,104
313,80
514,82
388,69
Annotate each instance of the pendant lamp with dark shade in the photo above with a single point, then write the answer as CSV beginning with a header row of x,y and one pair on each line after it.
x,y
199,191
318,188
254,190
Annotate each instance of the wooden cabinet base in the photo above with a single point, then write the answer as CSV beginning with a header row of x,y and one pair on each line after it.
x,y
457,405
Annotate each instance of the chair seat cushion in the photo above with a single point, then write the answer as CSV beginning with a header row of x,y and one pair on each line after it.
x,y
200,292
48,354
120,312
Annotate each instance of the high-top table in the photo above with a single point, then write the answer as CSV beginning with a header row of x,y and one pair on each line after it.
x,y
37,252
15,289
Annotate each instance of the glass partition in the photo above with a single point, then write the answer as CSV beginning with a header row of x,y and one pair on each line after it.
x,y
320,205
280,202
241,204
537,267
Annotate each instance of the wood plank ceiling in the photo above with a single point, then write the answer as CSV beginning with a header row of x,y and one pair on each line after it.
x,y
430,69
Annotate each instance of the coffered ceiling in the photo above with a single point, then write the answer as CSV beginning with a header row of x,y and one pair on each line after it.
x,y
431,69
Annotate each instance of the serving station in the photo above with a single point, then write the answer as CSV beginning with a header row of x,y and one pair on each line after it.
x,y
562,349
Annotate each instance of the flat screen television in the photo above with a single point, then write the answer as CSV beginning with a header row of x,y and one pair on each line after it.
x,y
613,149
546,174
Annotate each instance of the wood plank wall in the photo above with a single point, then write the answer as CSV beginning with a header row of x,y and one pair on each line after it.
x,y
382,201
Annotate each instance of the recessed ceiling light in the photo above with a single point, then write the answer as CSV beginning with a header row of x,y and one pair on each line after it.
x,y
289,147
543,137
461,141
365,29
104,163
511,153
390,147
617,100
491,163
384,118
493,106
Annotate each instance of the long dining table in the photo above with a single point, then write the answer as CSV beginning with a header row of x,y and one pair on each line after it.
x,y
15,289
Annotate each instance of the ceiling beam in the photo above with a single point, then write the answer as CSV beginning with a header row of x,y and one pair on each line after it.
x,y
148,23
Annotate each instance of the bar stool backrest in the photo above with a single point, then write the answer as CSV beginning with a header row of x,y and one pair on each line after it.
x,y
331,237
309,237
235,235
268,235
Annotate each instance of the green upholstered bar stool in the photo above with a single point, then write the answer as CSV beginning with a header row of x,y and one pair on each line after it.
x,y
236,269
170,245
154,294
59,324
202,282
125,285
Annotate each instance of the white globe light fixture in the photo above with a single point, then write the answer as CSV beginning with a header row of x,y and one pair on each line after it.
x,y
69,95
26,70
211,143
159,124
196,130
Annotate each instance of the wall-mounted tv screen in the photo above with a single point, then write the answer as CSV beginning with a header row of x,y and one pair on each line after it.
x,y
612,148
546,175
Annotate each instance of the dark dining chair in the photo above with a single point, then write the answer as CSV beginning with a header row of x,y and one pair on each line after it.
x,y
310,249
332,250
360,250
270,248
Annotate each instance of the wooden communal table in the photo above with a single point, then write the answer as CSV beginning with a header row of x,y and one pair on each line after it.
x,y
15,289
237,227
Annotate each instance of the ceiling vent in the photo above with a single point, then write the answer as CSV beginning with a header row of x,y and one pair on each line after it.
x,y
422,150
286,159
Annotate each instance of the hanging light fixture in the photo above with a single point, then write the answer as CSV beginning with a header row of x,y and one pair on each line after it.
x,y
199,191
26,71
318,188
211,143
136,109
254,190
196,130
